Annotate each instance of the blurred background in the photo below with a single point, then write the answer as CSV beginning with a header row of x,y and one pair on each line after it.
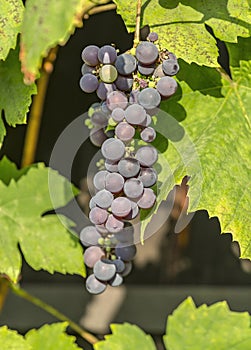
x,y
169,267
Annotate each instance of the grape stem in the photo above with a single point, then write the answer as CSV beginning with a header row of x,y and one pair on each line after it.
x,y
137,27
54,312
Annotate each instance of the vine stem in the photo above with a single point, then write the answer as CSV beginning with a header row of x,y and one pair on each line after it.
x,y
54,312
137,27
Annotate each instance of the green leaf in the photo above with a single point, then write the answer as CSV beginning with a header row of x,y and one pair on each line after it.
x,y
11,340
44,241
209,328
126,336
47,337
10,23
181,25
51,337
15,96
46,24
211,144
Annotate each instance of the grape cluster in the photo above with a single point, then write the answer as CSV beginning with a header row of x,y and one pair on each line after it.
x,y
130,86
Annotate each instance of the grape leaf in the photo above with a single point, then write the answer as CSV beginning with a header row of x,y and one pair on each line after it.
x,y
126,336
11,16
211,144
47,23
11,340
44,241
207,327
45,338
51,337
15,96
181,25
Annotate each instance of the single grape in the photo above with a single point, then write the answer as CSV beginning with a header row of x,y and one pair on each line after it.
x,y
146,69
133,97
146,155
135,114
127,270
92,203
94,286
103,199
126,64
128,167
148,199
126,235
149,98
113,224
119,264
99,179
148,176
124,83
88,83
111,166
153,36
114,182
116,99
134,211
172,56
170,67
105,89
118,115
121,206
87,69
167,86
102,229
99,119
124,131
98,215
158,72
116,281
107,54
133,188
97,136
147,52
125,252
90,55
148,134
89,236
108,73
104,271
92,255
147,121
113,149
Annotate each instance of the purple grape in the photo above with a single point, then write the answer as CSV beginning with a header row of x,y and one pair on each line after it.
x,y
166,86
105,89
111,166
158,72
153,36
124,83
104,199
133,188
88,83
89,236
133,213
107,54
147,52
92,255
113,149
126,64
128,167
94,286
90,55
148,199
146,69
147,121
124,131
98,216
87,69
113,224
148,176
127,270
148,134
147,155
104,271
114,182
102,229
125,252
116,281
133,98
149,98
170,66
99,119
92,203
97,136
121,206
119,264
118,115
99,179
116,99
135,114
